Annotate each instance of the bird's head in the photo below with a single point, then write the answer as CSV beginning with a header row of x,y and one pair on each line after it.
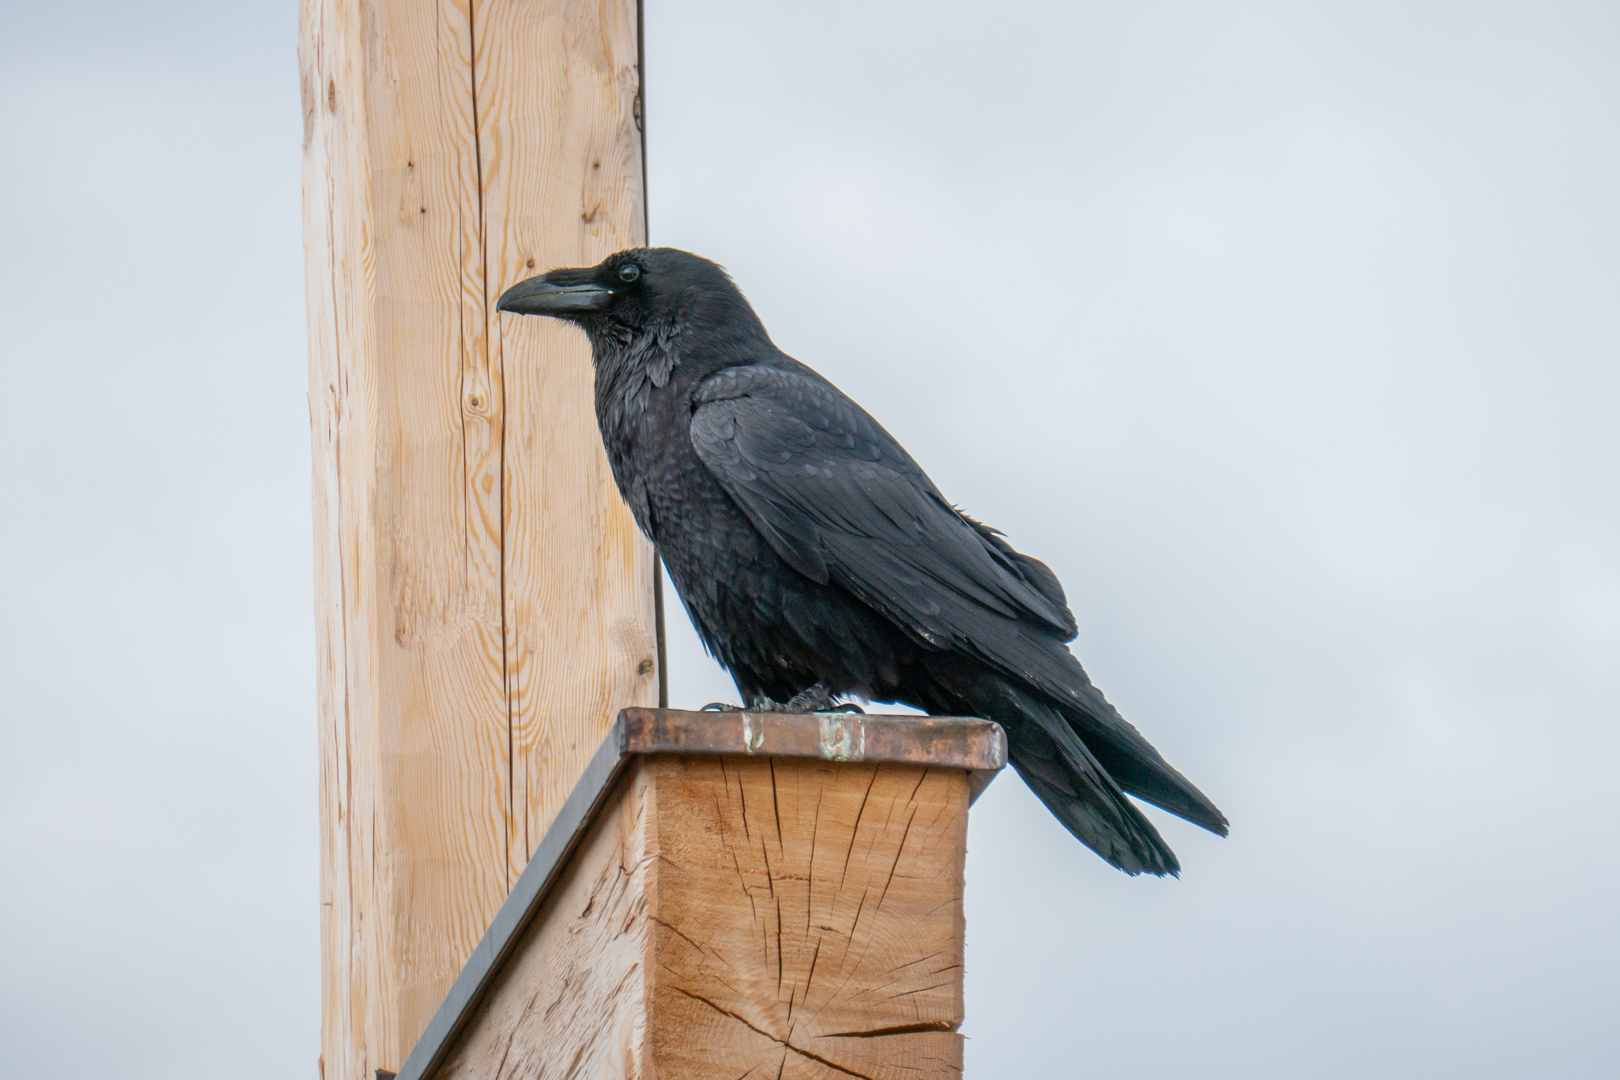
x,y
633,292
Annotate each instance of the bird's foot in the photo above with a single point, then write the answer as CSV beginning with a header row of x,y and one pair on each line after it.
x,y
818,698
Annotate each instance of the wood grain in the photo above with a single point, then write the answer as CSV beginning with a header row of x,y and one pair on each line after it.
x,y
558,192
572,1001
807,920
744,917
484,604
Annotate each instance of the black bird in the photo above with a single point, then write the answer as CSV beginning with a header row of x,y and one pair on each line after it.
x,y
818,561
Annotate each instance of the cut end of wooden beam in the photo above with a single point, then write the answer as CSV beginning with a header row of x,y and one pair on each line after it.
x,y
807,918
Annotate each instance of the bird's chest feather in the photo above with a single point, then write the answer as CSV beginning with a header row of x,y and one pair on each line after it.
x,y
726,573
677,502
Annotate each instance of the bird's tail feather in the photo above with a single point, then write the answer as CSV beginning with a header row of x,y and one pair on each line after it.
x,y
1048,669
1140,769
1059,769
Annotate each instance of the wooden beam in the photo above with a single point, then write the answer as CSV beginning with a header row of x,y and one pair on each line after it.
x,y
484,602
753,895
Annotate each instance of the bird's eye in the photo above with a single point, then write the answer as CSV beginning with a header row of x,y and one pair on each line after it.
x,y
629,272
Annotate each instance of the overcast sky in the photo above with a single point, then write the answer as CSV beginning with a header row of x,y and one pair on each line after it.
x,y
1288,334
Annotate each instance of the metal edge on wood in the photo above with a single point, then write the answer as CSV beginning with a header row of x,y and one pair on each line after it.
x,y
952,742
979,747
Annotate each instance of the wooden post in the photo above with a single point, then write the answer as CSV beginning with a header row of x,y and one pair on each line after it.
x,y
485,605
734,895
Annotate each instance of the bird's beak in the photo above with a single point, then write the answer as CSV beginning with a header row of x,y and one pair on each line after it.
x,y
538,296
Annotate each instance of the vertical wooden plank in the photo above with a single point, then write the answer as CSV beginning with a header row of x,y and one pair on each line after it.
x,y
561,193
483,602
441,687
413,728
335,242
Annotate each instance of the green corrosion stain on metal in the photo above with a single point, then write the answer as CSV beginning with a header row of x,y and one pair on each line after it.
x,y
843,735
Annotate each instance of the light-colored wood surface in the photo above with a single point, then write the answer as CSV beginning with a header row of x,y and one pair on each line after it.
x,y
572,1001
744,917
561,151
484,603
807,919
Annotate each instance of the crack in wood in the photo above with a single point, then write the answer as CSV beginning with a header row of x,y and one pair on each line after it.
x,y
947,1026
782,1042
898,852
856,831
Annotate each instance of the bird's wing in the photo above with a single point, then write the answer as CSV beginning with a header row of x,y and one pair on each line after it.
x,y
839,499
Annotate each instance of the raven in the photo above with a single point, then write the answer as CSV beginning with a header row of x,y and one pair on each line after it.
x,y
817,560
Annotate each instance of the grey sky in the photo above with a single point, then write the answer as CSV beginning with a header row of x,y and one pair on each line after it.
x,y
1288,334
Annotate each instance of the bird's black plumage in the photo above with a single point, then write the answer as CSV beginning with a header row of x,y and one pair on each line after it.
x,y
813,553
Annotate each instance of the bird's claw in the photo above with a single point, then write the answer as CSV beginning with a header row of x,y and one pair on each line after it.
x,y
817,699
814,699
